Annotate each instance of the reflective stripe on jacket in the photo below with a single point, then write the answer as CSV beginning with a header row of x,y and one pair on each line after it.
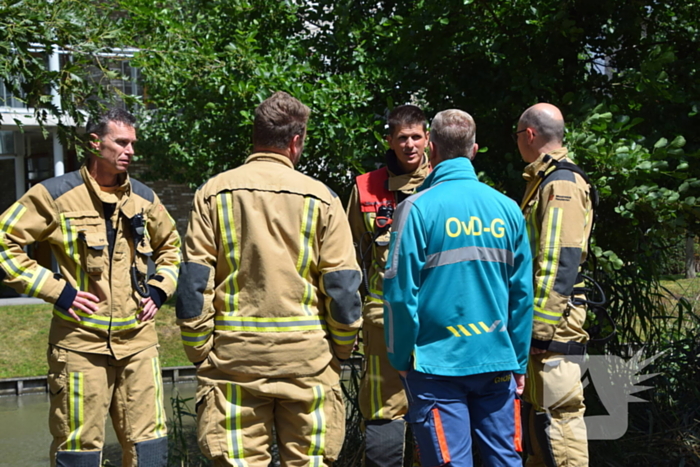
x,y
559,218
67,212
269,285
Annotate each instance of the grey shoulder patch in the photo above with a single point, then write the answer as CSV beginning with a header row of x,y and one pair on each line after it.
x,y
333,193
191,285
560,175
142,190
59,186
341,287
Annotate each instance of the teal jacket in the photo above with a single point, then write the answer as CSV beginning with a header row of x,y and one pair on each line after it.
x,y
458,281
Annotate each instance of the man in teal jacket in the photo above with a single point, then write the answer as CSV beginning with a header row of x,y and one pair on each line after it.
x,y
458,305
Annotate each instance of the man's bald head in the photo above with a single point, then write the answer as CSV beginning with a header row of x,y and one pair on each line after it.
x,y
546,120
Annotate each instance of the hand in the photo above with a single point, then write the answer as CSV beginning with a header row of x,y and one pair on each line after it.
x,y
148,311
536,351
85,302
519,384
403,374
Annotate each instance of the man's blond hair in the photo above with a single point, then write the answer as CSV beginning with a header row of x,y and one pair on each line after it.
x,y
453,132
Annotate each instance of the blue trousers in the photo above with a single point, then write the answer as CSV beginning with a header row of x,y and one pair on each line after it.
x,y
444,411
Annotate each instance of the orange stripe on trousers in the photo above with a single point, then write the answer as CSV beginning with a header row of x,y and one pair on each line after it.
x,y
518,427
440,433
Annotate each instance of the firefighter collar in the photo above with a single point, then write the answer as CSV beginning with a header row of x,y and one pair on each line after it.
x,y
543,162
111,197
407,182
270,157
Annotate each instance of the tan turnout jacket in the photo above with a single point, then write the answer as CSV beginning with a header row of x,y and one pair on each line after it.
x,y
559,219
67,212
269,283
363,229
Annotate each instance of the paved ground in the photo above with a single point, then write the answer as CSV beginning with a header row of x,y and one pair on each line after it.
x,y
20,301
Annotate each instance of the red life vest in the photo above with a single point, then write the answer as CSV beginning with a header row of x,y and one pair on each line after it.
x,y
373,190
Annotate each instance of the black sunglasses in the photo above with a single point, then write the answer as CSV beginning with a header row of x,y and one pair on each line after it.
x,y
515,135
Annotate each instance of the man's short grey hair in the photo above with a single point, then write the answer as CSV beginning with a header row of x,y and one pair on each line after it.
x,y
116,115
453,132
551,129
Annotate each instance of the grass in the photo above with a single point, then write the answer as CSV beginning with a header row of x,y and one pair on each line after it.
x,y
24,342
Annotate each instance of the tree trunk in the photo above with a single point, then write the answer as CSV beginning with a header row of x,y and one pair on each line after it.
x,y
690,257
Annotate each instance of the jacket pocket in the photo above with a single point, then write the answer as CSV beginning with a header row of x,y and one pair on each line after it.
x,y
91,238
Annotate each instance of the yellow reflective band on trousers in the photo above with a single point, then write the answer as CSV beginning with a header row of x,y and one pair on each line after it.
x,y
234,425
70,243
375,388
76,414
374,292
550,260
306,242
160,410
98,322
318,429
284,324
343,337
193,339
232,252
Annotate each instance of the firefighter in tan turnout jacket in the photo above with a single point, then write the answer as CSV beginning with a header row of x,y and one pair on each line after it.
x,y
268,302
103,355
558,208
372,202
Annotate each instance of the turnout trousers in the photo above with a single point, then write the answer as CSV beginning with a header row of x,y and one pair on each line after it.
x,y
236,416
443,411
553,413
382,403
85,387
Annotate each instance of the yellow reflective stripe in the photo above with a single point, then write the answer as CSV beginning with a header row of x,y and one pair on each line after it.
x,y
98,322
545,320
160,410
234,430
464,330
70,243
37,281
484,327
14,214
283,324
375,388
305,259
227,225
170,271
454,331
474,328
531,389
9,263
374,299
318,428
550,257
193,339
369,221
343,337
533,231
75,410
7,223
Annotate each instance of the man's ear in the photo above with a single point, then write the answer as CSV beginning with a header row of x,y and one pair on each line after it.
x,y
475,150
95,141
